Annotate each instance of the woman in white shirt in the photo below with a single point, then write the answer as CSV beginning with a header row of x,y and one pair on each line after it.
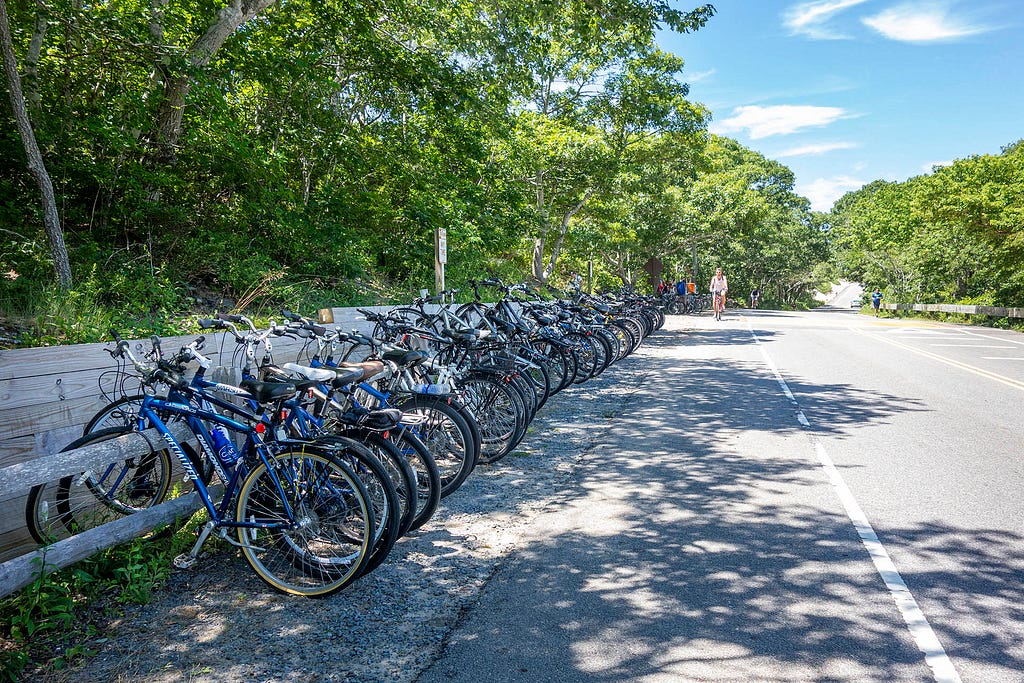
x,y
719,287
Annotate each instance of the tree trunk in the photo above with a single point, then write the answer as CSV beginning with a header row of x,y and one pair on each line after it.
x,y
51,220
35,48
167,129
563,228
538,257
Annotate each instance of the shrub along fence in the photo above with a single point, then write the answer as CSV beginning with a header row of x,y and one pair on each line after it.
x,y
46,397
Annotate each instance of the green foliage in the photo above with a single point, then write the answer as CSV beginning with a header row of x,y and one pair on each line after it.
x,y
953,236
59,611
320,146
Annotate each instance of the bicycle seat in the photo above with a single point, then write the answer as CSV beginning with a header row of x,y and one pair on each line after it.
x,y
381,419
306,372
369,368
404,358
346,376
268,392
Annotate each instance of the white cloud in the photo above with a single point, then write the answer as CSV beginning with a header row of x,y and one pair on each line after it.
x,y
700,76
783,119
928,168
809,18
921,23
824,192
814,150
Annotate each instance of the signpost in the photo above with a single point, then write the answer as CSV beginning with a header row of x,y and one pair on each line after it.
x,y
440,258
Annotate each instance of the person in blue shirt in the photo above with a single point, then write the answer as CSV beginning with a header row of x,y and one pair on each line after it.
x,y
876,300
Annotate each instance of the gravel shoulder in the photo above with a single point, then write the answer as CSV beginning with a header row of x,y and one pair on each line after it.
x,y
219,622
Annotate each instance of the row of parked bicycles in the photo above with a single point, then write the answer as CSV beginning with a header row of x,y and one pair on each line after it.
x,y
684,304
316,467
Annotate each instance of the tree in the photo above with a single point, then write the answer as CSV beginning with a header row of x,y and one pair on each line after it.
x,y
36,166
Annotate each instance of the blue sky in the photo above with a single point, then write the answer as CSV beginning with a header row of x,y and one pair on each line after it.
x,y
845,92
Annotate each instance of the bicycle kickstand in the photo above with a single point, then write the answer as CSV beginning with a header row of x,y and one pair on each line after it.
x,y
189,559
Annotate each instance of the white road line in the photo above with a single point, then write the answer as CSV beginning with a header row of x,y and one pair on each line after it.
x,y
974,346
1002,357
994,338
921,631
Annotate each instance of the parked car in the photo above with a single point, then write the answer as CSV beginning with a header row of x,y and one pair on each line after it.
x,y
857,303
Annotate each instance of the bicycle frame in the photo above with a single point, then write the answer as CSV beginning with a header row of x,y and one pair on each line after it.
x,y
195,418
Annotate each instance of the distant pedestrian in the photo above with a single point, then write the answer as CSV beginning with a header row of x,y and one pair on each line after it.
x,y
876,300
755,294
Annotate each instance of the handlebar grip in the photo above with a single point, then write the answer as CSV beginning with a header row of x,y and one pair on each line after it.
x,y
155,341
229,317
115,335
289,315
207,323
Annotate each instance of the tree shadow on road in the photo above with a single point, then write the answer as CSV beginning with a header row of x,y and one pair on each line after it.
x,y
686,556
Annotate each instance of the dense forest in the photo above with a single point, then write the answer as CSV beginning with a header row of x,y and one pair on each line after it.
x,y
259,154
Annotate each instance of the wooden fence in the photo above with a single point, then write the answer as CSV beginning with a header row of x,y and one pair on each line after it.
x,y
46,397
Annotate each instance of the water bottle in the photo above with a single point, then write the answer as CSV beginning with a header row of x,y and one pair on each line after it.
x,y
432,389
222,445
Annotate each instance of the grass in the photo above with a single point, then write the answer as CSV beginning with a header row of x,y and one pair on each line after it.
x,y
59,619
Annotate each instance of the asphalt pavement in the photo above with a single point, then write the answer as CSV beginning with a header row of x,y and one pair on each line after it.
x,y
700,539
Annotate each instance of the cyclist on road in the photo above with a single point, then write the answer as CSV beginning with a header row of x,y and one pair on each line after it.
x,y
755,294
719,287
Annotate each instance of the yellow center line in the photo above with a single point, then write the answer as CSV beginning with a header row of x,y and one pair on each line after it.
x,y
1015,384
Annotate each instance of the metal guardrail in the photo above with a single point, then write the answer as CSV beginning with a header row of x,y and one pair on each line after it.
x,y
994,311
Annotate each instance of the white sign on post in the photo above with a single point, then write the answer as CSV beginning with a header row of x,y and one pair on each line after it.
x,y
440,257
442,245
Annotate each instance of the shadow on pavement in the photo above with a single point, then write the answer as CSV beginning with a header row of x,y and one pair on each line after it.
x,y
676,554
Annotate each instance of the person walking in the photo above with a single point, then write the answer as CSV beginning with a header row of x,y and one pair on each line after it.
x,y
876,300
718,288
755,294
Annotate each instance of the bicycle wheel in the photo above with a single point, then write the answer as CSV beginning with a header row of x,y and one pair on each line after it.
x,y
387,510
311,525
474,313
124,412
400,471
586,357
76,503
446,433
427,476
555,363
627,337
499,410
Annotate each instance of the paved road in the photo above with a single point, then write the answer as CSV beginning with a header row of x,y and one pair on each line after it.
x,y
721,531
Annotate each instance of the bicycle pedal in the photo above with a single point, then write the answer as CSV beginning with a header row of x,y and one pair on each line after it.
x,y
185,561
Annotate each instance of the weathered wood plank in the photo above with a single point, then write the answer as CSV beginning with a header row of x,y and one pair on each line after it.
x,y
24,476
21,571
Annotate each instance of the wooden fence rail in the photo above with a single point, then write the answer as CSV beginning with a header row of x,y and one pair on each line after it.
x,y
46,397
22,570
993,311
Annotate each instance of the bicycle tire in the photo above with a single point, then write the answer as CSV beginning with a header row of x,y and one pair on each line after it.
x,y
444,431
387,509
400,470
333,524
427,476
75,503
498,410
125,412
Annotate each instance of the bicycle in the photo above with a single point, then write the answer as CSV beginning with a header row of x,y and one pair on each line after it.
x,y
301,517
719,304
